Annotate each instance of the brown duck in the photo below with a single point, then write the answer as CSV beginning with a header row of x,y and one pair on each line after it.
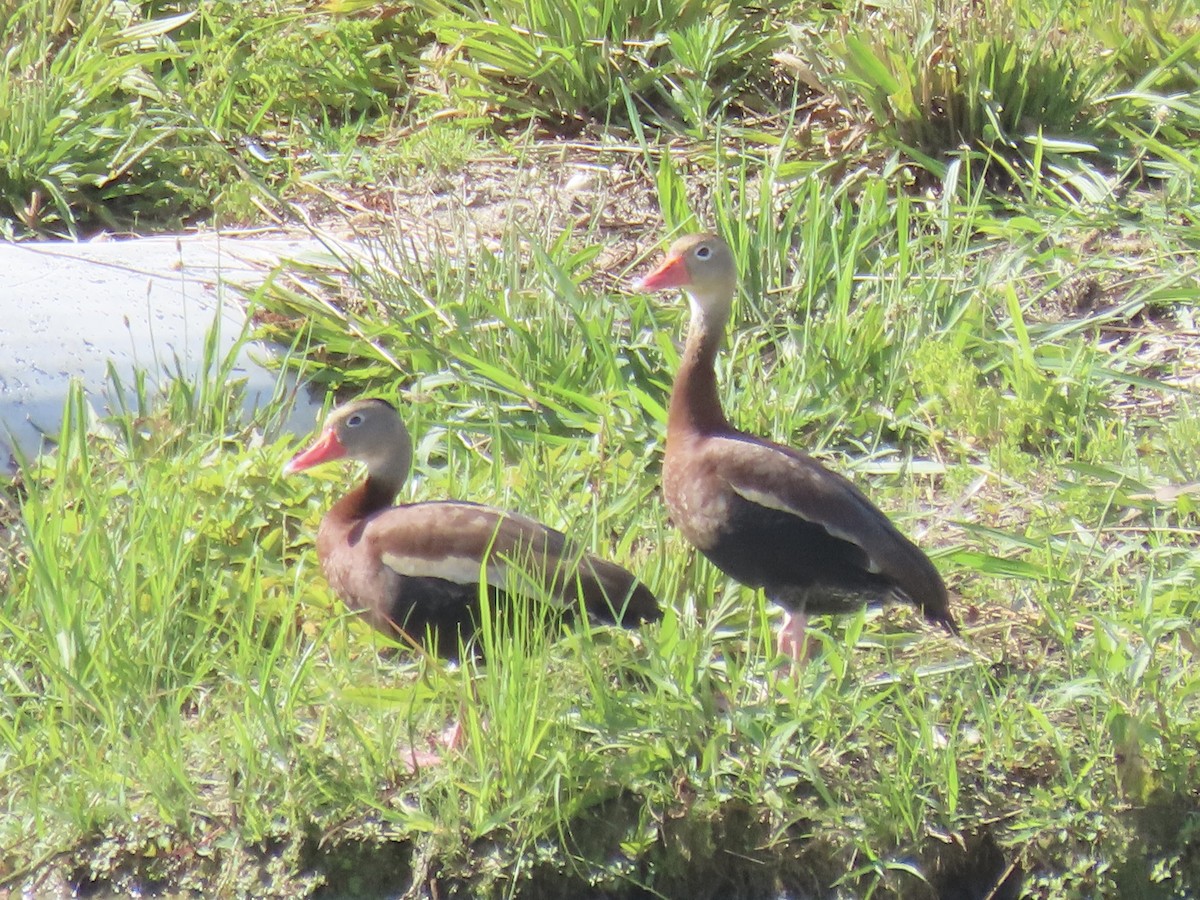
x,y
766,515
414,570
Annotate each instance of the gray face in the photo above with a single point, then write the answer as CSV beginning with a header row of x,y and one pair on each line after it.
x,y
711,273
371,431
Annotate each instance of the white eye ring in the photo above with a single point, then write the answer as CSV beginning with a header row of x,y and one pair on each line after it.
x,y
703,252
355,420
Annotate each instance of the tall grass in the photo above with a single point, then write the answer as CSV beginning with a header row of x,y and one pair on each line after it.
x,y
571,65
124,116
1028,94
1012,377
88,135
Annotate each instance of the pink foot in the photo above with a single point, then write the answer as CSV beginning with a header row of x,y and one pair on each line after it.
x,y
415,760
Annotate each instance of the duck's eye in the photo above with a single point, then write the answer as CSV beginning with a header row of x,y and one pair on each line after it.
x,y
703,252
355,420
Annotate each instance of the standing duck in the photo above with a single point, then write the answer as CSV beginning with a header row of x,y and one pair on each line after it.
x,y
414,570
764,514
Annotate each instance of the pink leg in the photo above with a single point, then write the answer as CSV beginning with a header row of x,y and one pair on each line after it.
x,y
792,639
450,739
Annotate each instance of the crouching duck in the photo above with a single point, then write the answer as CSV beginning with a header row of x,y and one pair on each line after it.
x,y
414,570
766,515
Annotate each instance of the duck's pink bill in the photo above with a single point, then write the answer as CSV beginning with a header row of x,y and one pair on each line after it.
x,y
672,273
327,447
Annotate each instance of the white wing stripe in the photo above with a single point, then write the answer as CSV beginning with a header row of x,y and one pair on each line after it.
x,y
466,570
771,500
459,569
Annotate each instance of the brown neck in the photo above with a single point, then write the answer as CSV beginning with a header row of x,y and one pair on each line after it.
x,y
695,407
372,495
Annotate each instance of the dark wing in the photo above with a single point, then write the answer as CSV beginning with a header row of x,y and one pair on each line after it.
x,y
466,543
781,479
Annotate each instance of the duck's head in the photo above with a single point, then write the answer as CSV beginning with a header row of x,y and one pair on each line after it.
x,y
702,266
369,431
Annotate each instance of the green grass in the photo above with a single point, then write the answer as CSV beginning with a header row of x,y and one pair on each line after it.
x,y
87,134
684,61
148,116
1011,373
189,705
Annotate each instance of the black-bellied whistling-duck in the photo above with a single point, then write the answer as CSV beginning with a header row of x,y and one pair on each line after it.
x,y
415,568
767,515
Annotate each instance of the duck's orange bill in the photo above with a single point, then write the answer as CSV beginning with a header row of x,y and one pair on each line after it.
x,y
672,273
327,447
